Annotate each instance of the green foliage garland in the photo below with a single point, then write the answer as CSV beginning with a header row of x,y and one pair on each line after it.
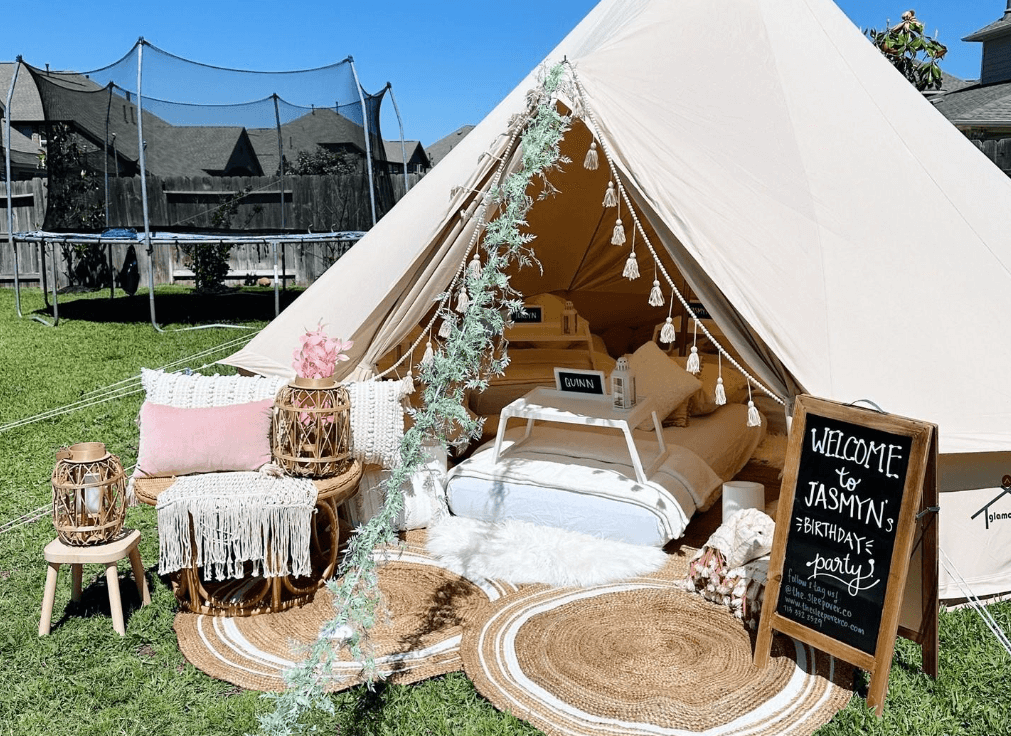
x,y
474,349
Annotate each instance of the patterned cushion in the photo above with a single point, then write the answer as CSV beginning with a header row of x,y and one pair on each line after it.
x,y
377,420
196,391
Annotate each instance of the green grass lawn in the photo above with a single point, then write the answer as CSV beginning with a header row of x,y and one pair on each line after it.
x,y
84,679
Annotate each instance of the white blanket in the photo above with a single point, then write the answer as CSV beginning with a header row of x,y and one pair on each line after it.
x,y
595,462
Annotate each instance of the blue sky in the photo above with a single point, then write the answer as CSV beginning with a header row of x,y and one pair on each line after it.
x,y
450,62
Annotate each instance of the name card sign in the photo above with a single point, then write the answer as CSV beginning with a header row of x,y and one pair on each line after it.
x,y
528,316
844,533
575,380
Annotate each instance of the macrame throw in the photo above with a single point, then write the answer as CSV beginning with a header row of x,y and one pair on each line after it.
x,y
236,518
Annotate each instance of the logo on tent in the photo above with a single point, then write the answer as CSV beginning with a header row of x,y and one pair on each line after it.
x,y
988,515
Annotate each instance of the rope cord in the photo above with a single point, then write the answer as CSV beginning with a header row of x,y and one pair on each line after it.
x,y
975,602
605,147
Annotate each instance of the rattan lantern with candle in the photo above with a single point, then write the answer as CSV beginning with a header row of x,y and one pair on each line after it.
x,y
311,429
89,494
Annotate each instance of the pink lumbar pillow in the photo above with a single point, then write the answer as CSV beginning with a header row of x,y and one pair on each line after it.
x,y
176,441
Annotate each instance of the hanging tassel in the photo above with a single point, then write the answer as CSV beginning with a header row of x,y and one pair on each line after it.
x,y
693,365
720,397
631,271
462,300
408,383
590,162
578,110
429,355
618,236
667,334
721,393
754,418
611,195
655,295
446,329
474,267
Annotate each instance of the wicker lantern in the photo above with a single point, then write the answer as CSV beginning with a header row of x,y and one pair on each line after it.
x,y
89,494
312,428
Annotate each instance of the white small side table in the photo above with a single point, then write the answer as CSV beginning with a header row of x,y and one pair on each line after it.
x,y
549,405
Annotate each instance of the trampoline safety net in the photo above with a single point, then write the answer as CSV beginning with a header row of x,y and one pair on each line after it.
x,y
225,150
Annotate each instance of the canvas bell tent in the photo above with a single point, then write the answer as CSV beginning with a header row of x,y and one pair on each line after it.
x,y
848,241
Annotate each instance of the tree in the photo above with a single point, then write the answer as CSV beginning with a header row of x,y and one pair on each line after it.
x,y
909,50
321,162
76,203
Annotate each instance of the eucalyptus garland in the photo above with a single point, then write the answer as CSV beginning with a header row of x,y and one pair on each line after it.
x,y
473,350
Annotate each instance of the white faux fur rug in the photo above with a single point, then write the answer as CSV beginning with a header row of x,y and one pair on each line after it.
x,y
519,552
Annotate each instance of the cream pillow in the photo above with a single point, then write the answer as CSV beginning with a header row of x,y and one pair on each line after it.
x,y
377,420
704,402
661,380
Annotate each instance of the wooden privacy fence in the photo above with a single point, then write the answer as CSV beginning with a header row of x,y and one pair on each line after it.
x,y
998,151
185,204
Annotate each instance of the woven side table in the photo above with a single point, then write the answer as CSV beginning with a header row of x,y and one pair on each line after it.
x,y
58,553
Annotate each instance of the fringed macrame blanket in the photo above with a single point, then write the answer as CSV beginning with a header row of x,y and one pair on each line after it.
x,y
237,518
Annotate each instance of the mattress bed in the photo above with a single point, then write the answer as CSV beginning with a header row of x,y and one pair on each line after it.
x,y
581,478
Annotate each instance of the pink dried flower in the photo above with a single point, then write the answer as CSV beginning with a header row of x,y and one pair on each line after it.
x,y
319,355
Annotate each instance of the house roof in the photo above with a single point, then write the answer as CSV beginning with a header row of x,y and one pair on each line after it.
x,y
951,83
414,150
438,150
976,104
320,127
26,105
192,150
997,28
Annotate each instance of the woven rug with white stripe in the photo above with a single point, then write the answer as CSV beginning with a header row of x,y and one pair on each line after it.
x,y
428,608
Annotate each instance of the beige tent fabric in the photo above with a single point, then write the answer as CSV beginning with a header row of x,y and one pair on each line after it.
x,y
816,190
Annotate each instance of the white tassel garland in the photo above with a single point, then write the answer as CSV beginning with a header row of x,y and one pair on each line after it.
x,y
474,267
611,195
754,418
655,295
693,364
462,300
631,271
446,329
429,355
578,111
409,385
618,236
590,162
721,393
667,334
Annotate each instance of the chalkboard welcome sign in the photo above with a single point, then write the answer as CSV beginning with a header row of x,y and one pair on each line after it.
x,y
844,532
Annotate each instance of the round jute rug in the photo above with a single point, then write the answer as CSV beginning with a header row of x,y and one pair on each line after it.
x,y
644,657
427,606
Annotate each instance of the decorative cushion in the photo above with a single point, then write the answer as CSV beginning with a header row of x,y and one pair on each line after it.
x,y
424,494
703,402
377,420
679,417
180,441
660,379
196,390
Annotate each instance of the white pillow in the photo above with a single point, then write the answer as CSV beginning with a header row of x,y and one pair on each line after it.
x,y
197,391
735,385
661,380
377,420
424,494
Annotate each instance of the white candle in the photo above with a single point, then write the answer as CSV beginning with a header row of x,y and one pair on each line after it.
x,y
93,495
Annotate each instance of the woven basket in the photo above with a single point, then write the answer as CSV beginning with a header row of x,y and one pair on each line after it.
x,y
89,494
311,432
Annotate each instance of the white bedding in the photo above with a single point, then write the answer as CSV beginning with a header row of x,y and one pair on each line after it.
x,y
581,478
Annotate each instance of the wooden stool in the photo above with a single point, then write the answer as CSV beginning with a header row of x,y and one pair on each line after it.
x,y
57,553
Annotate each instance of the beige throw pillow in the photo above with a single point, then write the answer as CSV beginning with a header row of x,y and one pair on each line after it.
x,y
661,380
